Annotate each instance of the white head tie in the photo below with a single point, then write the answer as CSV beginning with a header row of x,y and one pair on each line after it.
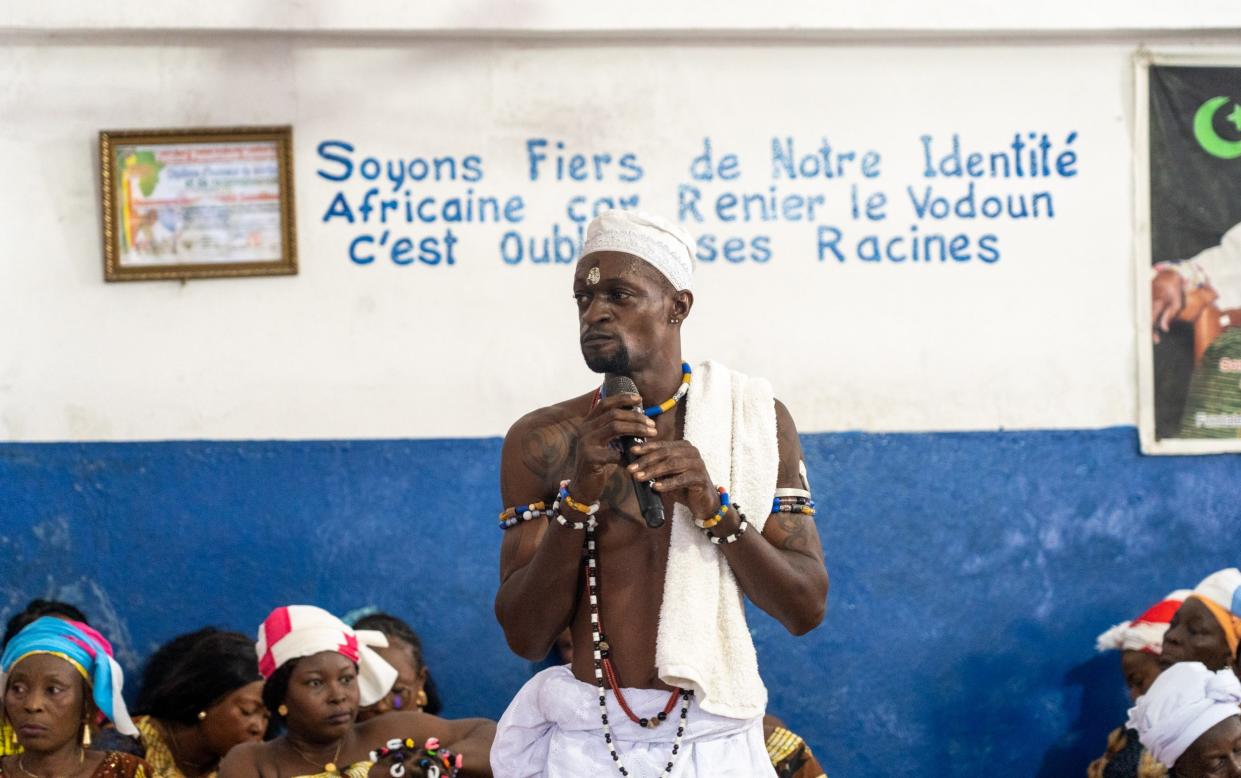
x,y
1185,701
664,246
295,631
1222,587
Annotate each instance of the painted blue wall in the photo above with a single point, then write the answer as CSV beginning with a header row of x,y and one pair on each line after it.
x,y
970,571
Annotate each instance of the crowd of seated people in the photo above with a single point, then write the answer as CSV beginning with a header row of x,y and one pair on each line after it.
x,y
1180,662
314,697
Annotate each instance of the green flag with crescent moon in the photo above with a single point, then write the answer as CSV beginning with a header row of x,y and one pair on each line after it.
x,y
1195,158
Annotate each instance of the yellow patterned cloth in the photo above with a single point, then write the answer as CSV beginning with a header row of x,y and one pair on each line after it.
x,y
8,740
158,754
791,756
355,770
1121,749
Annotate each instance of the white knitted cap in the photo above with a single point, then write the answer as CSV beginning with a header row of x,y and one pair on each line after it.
x,y
663,245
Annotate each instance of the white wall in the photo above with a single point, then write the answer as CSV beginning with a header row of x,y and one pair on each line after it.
x,y
1041,338
641,16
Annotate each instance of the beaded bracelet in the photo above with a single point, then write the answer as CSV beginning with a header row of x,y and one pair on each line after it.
x,y
391,747
737,533
589,511
580,507
435,763
511,517
788,500
711,521
792,505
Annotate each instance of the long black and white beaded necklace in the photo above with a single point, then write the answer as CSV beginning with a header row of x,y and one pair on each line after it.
x,y
601,650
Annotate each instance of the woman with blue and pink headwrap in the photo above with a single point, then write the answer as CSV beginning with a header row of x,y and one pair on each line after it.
x,y
57,677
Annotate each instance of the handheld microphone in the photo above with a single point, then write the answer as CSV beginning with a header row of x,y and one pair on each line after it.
x,y
648,499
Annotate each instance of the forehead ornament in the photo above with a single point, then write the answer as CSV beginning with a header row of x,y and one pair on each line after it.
x,y
662,245
592,277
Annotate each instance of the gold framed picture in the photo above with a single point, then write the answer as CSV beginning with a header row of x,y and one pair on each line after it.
x,y
197,203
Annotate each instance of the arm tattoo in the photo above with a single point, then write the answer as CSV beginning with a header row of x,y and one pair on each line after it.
x,y
795,535
618,495
550,450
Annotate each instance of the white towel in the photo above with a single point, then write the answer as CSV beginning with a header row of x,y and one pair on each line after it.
x,y
703,642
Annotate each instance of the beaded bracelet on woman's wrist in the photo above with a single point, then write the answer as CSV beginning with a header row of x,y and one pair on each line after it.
x,y
435,761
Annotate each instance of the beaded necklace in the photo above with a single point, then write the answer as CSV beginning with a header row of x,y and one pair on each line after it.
x,y
687,375
605,676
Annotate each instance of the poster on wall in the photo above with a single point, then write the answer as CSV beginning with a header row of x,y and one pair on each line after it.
x,y
1189,253
197,203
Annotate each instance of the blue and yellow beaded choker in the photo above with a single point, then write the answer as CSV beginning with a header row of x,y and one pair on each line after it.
x,y
687,375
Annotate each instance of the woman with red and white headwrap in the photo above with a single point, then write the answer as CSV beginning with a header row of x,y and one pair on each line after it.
x,y
318,673
1140,643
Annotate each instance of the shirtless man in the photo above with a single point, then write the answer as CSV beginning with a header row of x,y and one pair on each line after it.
x,y
631,305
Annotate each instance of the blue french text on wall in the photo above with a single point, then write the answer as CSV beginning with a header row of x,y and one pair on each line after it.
x,y
743,205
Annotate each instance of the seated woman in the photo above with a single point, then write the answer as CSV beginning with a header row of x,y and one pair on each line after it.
x,y
201,695
17,622
414,688
1207,626
57,676
319,673
1191,722
1140,643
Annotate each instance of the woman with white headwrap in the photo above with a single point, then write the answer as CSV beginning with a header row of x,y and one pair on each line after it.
x,y
318,673
1190,720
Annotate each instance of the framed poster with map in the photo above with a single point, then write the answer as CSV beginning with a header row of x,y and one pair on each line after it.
x,y
1188,252
197,203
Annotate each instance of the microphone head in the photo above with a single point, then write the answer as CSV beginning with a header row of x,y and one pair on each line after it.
x,y
618,384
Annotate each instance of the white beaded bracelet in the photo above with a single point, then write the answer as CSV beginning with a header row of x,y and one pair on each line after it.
x,y
734,537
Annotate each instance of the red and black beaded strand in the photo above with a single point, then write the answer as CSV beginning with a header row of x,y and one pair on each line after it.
x,y
603,666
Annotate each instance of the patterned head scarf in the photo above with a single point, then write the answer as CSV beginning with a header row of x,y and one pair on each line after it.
x,y
1185,701
86,650
664,246
296,631
1145,633
1221,593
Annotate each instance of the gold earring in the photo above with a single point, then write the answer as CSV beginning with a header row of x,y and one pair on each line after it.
x,y
85,735
283,710
202,715
421,702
